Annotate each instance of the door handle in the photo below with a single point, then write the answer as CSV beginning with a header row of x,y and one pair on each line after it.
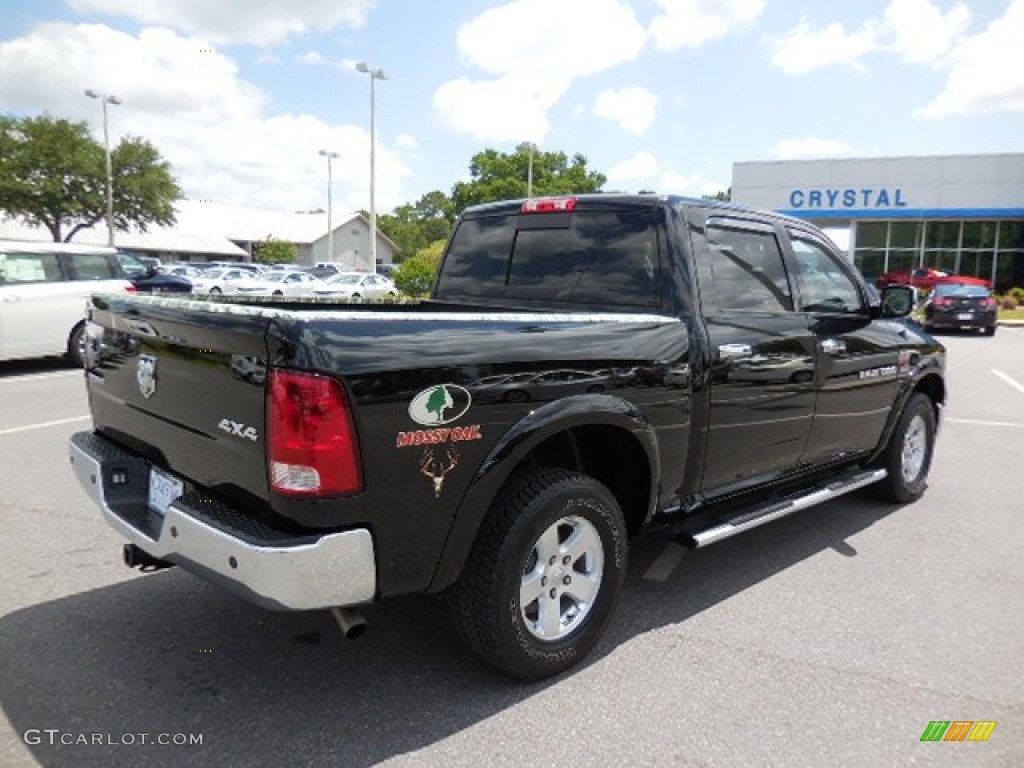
x,y
833,346
733,351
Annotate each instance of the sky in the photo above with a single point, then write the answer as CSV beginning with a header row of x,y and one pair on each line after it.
x,y
240,96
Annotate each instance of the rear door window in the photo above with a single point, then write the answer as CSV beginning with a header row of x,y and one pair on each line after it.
x,y
747,269
18,267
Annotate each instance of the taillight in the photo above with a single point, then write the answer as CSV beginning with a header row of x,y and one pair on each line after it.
x,y
991,303
549,205
311,443
943,301
130,288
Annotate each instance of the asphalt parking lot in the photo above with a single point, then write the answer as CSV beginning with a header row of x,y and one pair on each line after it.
x,y
830,638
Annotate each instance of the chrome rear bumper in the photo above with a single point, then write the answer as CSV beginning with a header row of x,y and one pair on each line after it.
x,y
273,568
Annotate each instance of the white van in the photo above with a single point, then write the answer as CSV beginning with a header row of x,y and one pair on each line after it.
x,y
43,291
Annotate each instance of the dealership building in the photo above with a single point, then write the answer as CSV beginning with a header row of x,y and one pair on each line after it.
x,y
962,214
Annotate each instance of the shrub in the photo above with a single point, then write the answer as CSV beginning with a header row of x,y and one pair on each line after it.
x,y
1008,302
1016,293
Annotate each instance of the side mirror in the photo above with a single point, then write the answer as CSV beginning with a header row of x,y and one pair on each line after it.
x,y
897,301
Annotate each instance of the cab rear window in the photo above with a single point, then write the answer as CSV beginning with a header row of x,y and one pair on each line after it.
x,y
604,258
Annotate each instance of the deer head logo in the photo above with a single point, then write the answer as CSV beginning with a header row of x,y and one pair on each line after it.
x,y
431,468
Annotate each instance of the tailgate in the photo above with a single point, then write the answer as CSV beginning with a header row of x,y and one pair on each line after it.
x,y
182,383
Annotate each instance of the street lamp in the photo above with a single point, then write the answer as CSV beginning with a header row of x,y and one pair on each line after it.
x,y
107,98
375,74
330,221
529,172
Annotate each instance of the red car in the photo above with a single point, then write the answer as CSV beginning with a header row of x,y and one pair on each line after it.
x,y
926,279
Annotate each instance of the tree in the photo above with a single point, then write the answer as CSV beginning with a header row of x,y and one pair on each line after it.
x,y
273,251
722,197
413,227
415,276
501,176
53,174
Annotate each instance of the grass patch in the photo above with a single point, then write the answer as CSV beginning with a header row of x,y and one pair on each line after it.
x,y
1011,314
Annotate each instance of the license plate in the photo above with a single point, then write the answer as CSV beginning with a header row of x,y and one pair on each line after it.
x,y
163,489
964,316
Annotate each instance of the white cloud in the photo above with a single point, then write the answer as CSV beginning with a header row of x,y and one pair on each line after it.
x,y
406,141
643,170
212,126
691,23
533,50
311,58
632,108
986,71
811,147
804,50
261,22
922,33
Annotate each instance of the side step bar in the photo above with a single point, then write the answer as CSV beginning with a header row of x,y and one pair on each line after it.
x,y
766,514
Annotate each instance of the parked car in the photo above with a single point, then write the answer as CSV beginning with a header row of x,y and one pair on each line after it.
x,y
359,286
961,305
43,292
326,269
926,279
220,280
284,283
183,270
147,276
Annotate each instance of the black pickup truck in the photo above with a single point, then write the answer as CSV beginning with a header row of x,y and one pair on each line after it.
x,y
586,366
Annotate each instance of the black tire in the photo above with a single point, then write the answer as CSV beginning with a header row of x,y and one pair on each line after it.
x,y
990,331
908,456
215,291
533,512
76,346
278,294
802,377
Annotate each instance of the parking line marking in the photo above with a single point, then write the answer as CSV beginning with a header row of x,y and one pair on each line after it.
x,y
43,425
1015,384
39,377
666,562
980,423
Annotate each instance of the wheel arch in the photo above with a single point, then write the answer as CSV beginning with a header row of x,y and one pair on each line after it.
x,y
931,384
598,435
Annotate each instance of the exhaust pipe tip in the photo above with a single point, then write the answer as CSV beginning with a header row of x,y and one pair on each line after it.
x,y
351,622
135,557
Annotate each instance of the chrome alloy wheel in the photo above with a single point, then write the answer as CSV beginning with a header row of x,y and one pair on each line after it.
x,y
915,449
561,578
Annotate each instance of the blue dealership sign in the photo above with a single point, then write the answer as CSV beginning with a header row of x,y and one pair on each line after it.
x,y
847,197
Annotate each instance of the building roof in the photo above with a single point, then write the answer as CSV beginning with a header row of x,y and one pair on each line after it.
x,y
169,239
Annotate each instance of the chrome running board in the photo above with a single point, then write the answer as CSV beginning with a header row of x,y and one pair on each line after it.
x,y
775,510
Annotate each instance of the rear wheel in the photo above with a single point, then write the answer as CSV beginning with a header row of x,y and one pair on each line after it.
x,y
908,456
544,575
215,290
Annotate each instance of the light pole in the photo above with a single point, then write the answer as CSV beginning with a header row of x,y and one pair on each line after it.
x,y
330,220
107,98
529,172
375,74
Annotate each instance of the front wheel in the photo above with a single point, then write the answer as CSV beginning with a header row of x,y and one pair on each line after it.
x,y
544,575
76,346
908,456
